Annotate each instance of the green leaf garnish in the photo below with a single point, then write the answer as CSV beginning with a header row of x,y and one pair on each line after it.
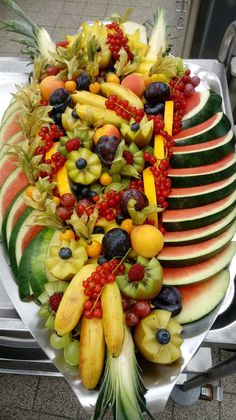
x,y
139,217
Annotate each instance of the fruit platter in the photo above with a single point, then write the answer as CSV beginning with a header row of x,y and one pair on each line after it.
x,y
117,208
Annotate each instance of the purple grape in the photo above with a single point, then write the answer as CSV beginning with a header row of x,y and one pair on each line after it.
x,y
106,148
195,80
189,89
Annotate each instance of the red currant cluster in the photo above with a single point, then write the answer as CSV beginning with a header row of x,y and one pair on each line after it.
x,y
54,301
109,207
123,109
66,206
93,286
162,182
128,156
49,135
149,158
181,89
117,40
136,184
158,123
57,161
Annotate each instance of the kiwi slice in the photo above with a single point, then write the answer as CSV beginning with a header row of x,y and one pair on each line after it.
x,y
141,280
52,293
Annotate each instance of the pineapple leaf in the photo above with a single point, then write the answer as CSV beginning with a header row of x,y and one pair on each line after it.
x,y
20,13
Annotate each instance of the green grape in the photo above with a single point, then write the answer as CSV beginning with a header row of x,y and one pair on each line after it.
x,y
71,353
59,342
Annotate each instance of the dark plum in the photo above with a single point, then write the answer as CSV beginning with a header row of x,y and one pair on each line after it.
x,y
59,96
106,148
157,92
83,81
116,243
154,110
138,196
169,299
56,116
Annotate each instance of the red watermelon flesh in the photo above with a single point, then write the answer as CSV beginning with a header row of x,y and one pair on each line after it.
x,y
18,182
204,169
203,211
29,234
7,167
201,271
197,129
10,129
192,102
200,299
201,189
203,146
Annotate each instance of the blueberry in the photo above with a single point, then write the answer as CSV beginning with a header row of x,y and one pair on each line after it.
x,y
101,260
163,336
120,218
85,192
135,127
98,229
81,163
65,253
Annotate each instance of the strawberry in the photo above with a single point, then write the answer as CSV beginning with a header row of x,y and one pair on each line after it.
x,y
136,272
72,144
54,301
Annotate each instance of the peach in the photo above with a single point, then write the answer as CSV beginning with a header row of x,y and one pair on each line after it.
x,y
48,85
135,83
106,130
146,240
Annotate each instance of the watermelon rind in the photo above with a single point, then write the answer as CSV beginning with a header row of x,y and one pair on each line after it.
x,y
185,255
32,263
193,236
218,125
199,299
210,152
183,198
201,271
210,103
204,174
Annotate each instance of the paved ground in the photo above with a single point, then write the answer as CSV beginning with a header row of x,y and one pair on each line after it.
x,y
48,398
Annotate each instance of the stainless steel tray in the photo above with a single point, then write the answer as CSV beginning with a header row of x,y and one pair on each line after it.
x,y
158,379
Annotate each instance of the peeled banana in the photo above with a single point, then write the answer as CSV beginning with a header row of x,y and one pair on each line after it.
x,y
72,304
113,318
92,351
87,98
95,115
122,92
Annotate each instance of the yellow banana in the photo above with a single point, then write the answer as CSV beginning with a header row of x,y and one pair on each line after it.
x,y
122,92
72,304
95,115
87,98
113,318
92,351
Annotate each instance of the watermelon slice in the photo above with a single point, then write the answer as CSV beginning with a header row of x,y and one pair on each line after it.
x,y
170,256
11,109
203,154
184,219
200,106
16,209
10,128
204,174
201,271
186,237
216,126
15,183
182,198
200,299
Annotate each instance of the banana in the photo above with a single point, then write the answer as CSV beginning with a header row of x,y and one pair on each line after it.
x,y
95,115
92,351
72,304
113,318
122,92
87,98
